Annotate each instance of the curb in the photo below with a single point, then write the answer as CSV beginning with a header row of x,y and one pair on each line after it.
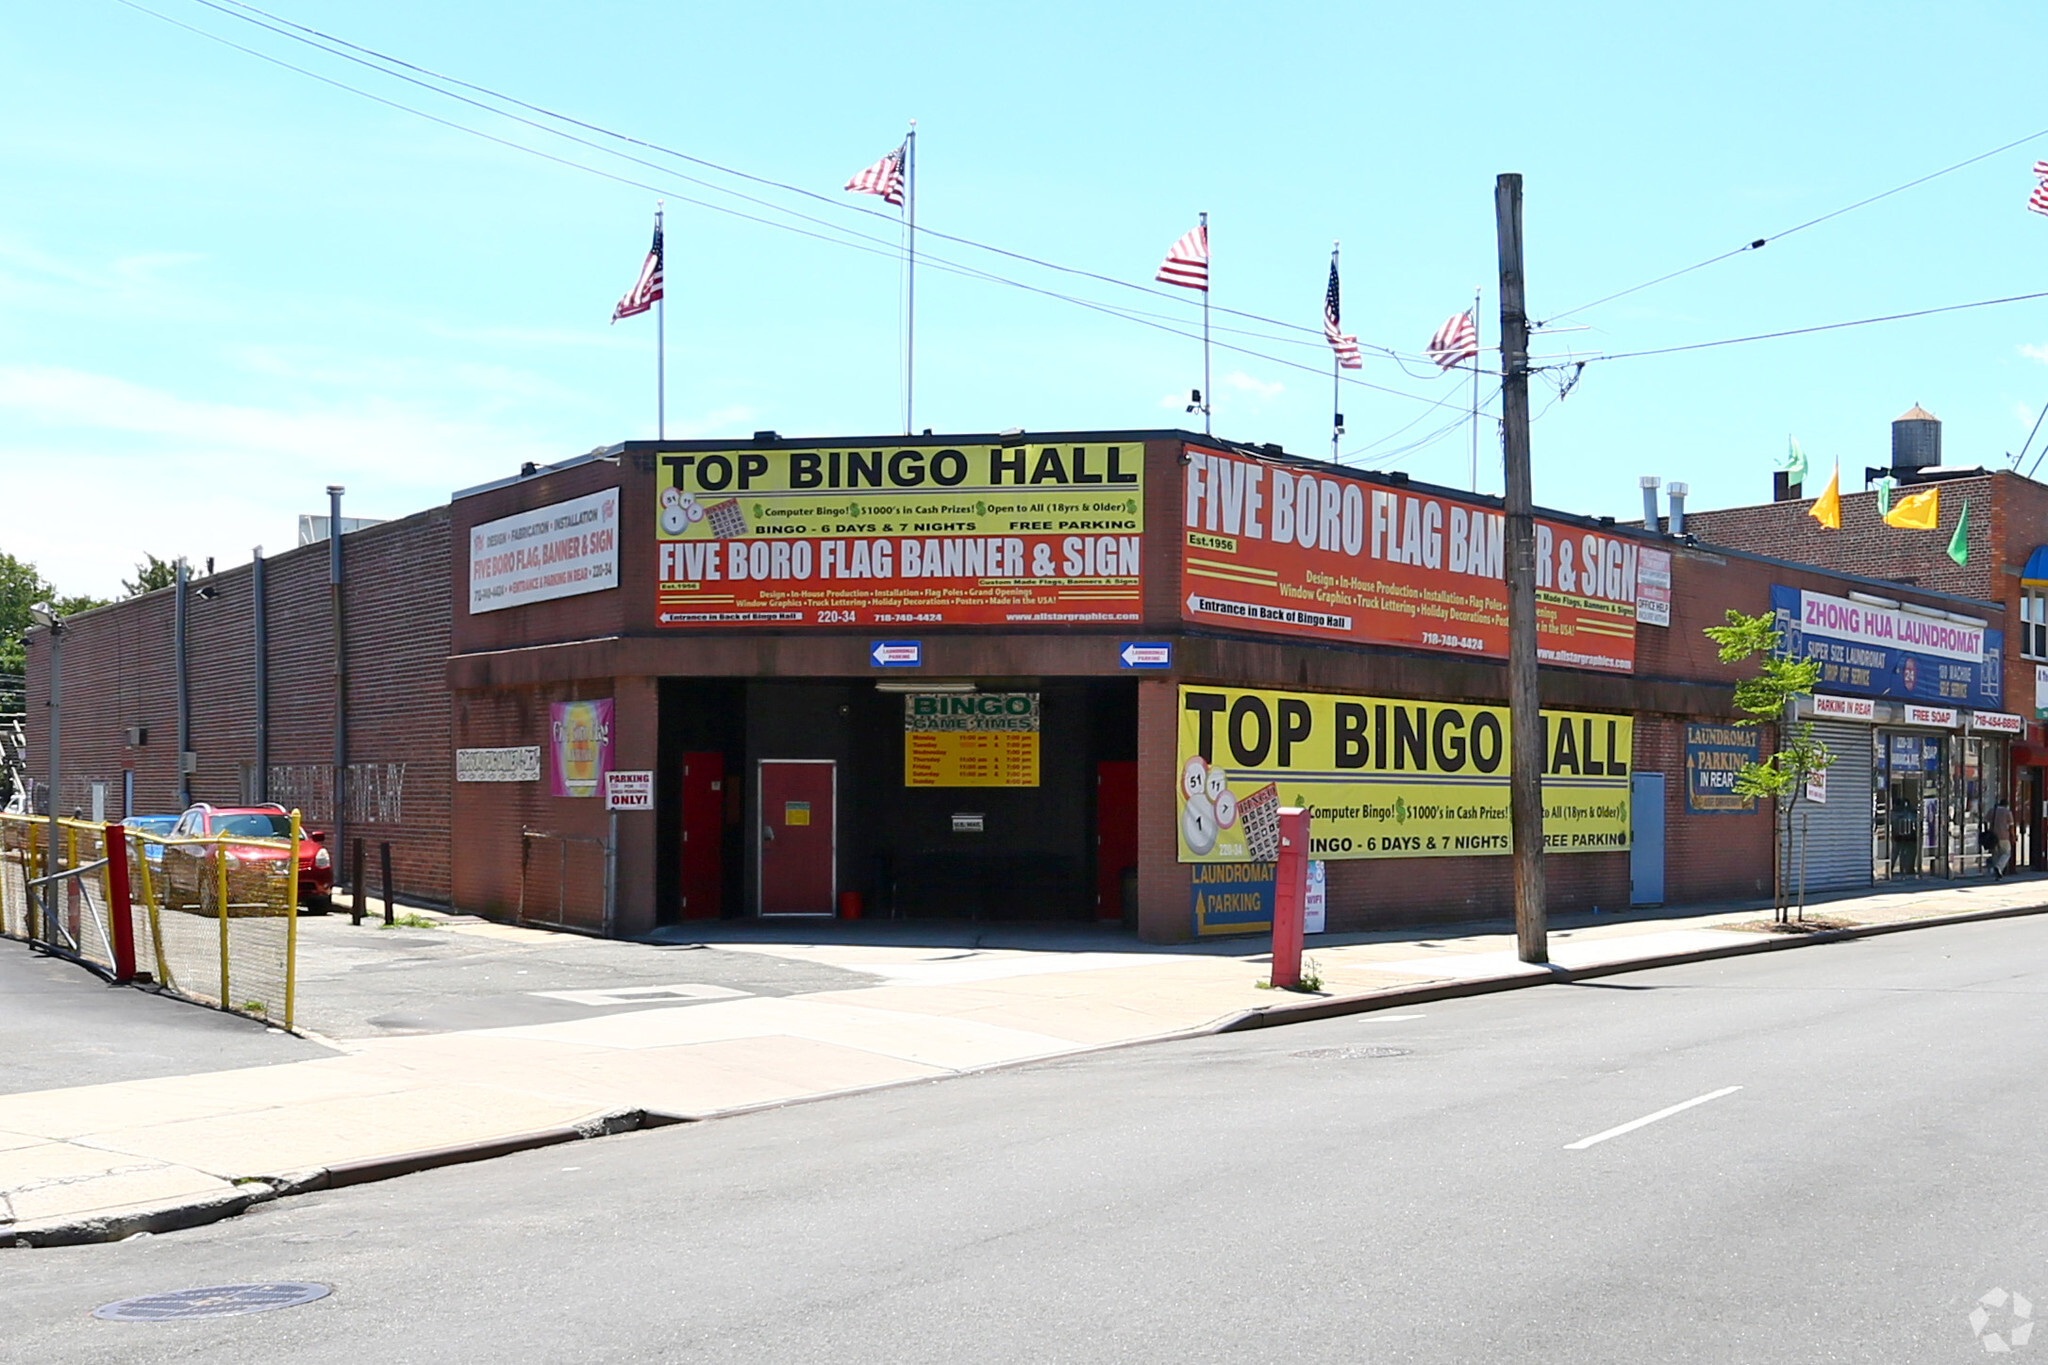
x,y
1273,1016
260,1190
250,1192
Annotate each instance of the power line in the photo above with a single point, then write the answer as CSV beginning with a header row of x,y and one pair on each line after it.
x,y
1760,242
1823,327
305,34
880,248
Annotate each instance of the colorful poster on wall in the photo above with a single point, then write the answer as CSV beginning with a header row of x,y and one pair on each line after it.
x,y
580,745
1389,778
1714,754
1294,551
560,550
1875,650
972,739
892,535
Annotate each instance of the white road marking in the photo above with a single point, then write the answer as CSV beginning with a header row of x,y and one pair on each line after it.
x,y
1646,1119
641,995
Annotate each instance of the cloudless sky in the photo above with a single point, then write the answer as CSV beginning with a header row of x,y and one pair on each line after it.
x,y
225,285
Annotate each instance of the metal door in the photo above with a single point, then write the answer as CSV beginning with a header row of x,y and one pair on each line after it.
x,y
702,879
797,840
1116,834
1646,839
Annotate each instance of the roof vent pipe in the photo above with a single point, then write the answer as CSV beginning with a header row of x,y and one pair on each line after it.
x,y
1677,492
1650,521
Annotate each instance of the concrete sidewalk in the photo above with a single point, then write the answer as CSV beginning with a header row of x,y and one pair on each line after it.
x,y
102,1161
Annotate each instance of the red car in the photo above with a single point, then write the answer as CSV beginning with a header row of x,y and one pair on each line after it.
x,y
189,870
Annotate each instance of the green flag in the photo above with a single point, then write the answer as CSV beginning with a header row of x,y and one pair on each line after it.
x,y
1959,543
1885,486
1794,463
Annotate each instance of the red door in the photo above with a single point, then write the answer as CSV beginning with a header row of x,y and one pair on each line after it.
x,y
703,872
1116,834
797,836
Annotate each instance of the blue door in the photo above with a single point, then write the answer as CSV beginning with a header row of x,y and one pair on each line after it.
x,y
1646,839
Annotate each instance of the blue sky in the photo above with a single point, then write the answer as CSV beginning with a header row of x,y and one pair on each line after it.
x,y
224,285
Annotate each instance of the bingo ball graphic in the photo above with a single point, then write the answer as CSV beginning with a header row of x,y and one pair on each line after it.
x,y
678,511
1198,825
1216,785
1194,779
1226,809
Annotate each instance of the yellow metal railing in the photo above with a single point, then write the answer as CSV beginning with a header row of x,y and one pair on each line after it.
x,y
213,919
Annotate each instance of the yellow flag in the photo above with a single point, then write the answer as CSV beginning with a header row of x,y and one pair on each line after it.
x,y
1827,508
1916,511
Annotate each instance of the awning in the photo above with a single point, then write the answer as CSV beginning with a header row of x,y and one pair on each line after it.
x,y
2037,567
2029,756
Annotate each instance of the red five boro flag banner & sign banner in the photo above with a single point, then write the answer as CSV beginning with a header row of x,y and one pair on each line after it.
x,y
1387,777
1304,552
981,535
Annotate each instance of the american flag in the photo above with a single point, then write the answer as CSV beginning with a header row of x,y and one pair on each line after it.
x,y
646,290
1187,264
1345,347
2038,201
885,178
1456,342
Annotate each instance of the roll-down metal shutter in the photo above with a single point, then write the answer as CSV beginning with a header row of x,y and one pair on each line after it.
x,y
1838,833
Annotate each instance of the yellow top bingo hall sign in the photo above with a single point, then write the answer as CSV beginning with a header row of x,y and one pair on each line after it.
x,y
1388,777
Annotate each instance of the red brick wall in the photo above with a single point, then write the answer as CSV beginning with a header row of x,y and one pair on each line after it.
x,y
119,671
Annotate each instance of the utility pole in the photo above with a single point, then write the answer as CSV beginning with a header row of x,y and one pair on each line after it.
x,y
1525,714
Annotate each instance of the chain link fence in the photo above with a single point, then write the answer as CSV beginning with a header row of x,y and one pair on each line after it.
x,y
214,920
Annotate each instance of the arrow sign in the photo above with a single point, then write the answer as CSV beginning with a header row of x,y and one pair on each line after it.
x,y
897,653
1147,654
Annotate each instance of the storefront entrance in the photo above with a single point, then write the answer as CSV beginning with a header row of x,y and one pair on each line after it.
x,y
1935,794
986,799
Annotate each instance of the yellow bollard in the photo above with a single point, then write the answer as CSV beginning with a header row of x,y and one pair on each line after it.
x,y
156,924
220,863
291,923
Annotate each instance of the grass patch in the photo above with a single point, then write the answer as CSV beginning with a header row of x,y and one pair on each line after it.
x,y
409,920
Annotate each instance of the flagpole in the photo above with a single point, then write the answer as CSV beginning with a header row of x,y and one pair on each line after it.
x,y
1208,393
1336,395
660,341
1475,393
910,263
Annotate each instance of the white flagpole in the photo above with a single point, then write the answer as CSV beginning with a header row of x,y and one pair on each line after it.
x,y
1336,398
1208,271
661,339
910,262
1475,393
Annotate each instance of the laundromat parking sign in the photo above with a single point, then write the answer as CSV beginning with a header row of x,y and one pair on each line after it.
x,y
1387,777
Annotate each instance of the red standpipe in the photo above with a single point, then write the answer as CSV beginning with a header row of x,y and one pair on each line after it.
x,y
119,908
1290,896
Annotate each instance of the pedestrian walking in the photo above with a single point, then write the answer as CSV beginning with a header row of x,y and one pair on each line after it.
x,y
2001,834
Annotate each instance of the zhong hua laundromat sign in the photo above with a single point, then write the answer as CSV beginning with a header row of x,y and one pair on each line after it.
x,y
927,535
1386,777
1301,551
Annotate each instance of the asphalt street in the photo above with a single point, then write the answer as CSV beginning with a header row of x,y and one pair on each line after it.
x,y
1861,1164
61,1026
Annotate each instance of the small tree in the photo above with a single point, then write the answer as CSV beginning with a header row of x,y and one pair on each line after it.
x,y
152,573
1766,699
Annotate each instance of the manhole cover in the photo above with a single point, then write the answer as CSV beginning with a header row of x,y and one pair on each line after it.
x,y
214,1301
1352,1054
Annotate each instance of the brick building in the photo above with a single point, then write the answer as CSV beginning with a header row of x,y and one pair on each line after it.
x,y
2006,563
1063,676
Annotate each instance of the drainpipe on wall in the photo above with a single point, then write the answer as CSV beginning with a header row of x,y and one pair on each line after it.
x,y
179,581
334,492
256,609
